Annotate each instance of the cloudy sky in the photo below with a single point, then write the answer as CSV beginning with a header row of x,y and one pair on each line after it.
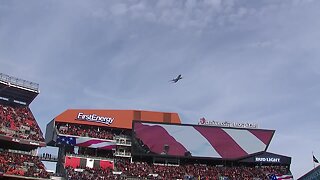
x,y
242,61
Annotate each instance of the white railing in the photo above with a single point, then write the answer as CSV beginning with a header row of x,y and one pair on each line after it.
x,y
122,154
19,82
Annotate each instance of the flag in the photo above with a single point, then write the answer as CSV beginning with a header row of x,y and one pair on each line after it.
x,y
90,163
79,162
87,142
202,120
73,162
68,140
280,177
315,159
104,164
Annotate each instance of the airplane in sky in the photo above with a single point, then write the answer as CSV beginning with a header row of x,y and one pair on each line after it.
x,y
176,79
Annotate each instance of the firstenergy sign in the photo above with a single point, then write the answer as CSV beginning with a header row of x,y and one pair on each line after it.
x,y
95,118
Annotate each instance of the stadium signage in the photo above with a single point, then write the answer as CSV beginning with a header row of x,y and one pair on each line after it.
x,y
267,159
95,118
34,143
203,121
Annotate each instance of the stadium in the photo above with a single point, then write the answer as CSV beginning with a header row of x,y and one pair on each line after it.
x,y
129,144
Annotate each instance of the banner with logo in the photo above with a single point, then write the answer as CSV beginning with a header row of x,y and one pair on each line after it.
x,y
114,118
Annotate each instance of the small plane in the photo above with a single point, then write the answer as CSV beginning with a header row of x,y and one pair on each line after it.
x,y
176,79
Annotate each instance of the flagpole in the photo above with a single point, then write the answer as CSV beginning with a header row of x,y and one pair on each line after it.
x,y
314,165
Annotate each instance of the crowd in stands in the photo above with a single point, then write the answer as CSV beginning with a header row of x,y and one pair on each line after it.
x,y
19,122
142,170
22,165
86,131
91,173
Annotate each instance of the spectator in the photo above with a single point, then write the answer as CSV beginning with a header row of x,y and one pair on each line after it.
x,y
22,165
18,122
143,170
85,131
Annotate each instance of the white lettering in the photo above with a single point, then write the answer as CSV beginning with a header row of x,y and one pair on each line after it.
x,y
95,118
34,143
262,159
203,121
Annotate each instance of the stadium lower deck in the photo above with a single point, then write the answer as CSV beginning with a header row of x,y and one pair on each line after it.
x,y
142,170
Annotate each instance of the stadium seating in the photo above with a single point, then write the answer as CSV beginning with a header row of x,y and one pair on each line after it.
x,y
90,173
85,131
142,170
22,165
18,122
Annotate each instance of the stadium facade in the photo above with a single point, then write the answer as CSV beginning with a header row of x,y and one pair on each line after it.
x,y
106,132
116,139
128,144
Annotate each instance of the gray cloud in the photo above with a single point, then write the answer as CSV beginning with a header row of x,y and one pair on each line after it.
x,y
253,61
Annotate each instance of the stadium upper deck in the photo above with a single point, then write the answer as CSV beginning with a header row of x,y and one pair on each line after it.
x,y
100,124
17,123
204,143
18,90
102,133
20,134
